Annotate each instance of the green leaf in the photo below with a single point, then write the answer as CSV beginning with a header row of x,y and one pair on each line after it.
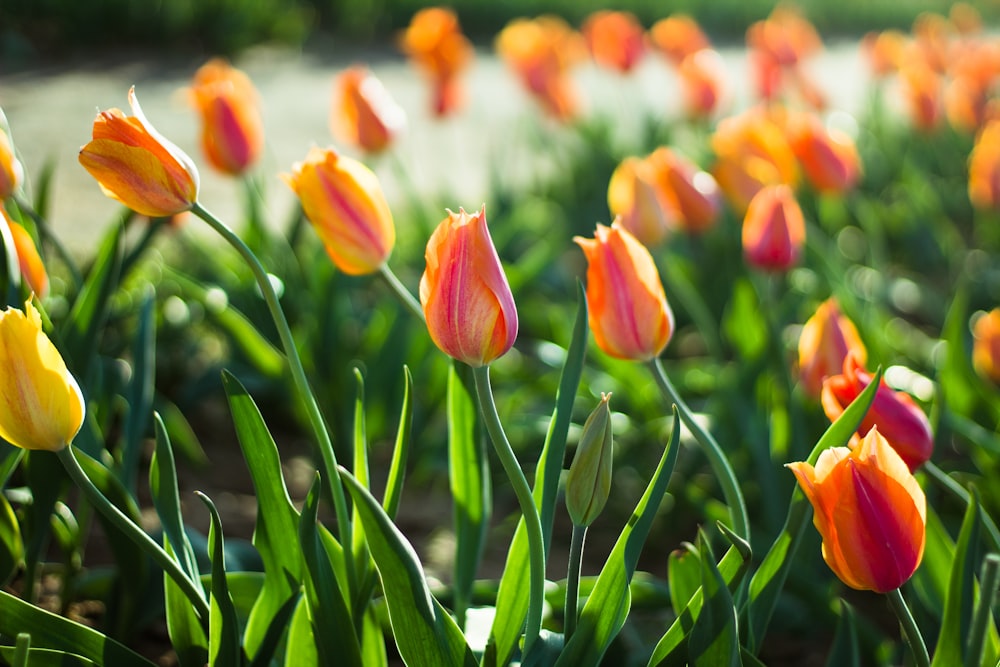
x,y
846,649
930,581
301,638
51,631
359,547
983,629
714,640
276,533
11,545
401,451
373,652
43,657
512,596
608,604
167,501
10,457
684,576
224,631
424,632
188,637
139,393
469,475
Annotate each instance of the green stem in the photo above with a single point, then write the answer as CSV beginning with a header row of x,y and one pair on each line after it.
x,y
910,630
716,457
45,232
989,580
298,376
956,489
134,532
400,289
573,581
532,523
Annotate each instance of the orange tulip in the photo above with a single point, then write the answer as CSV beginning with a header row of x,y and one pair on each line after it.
x,y
364,114
870,512
774,230
923,90
752,152
11,171
636,199
828,157
786,37
615,39
884,51
897,417
678,36
696,197
28,260
343,200
986,345
137,166
826,339
628,310
232,132
703,80
984,168
435,44
470,311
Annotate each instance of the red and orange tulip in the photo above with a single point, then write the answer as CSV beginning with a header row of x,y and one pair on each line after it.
x,y
827,337
774,230
29,261
344,202
435,44
628,310
635,197
696,197
884,51
136,165
678,36
870,512
923,89
986,345
828,157
984,168
703,81
232,131
470,311
897,417
364,114
11,171
751,152
615,39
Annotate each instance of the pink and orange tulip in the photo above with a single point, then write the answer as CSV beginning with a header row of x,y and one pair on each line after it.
x,y
677,37
29,261
11,171
828,157
984,168
986,345
703,82
637,200
774,230
435,44
696,197
615,39
827,337
751,152
232,131
364,114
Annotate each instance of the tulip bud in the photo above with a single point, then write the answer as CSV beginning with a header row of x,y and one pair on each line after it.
x,y
828,157
774,230
615,39
28,260
435,43
589,481
627,308
694,193
984,168
986,345
11,171
467,301
678,36
343,200
232,132
826,340
136,165
41,405
364,114
635,197
752,152
870,512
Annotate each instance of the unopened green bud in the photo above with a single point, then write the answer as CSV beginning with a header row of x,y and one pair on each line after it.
x,y
589,482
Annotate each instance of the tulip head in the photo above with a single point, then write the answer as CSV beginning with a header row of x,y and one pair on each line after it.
x,y
826,340
752,152
364,114
11,171
703,81
615,39
898,418
627,308
635,197
41,405
678,36
136,165
986,345
344,202
870,512
774,230
232,131
588,483
434,43
470,311
984,168
695,194
828,157
29,261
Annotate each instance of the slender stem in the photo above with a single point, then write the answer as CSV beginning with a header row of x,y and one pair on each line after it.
x,y
956,489
573,581
536,548
716,457
46,232
910,630
989,579
400,289
134,532
298,376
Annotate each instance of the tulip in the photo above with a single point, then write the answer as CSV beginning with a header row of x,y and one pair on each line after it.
x,y
436,45
870,512
826,340
984,168
774,230
136,165
986,345
897,417
923,92
343,200
364,114
232,131
41,405
628,310
615,39
636,199
464,292
11,171
828,157
703,78
28,260
752,152
884,51
678,36
695,194
588,483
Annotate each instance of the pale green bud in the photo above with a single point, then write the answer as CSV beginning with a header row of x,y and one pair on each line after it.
x,y
589,482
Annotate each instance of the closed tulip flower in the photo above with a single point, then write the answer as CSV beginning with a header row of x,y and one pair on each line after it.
x,y
640,203
615,39
588,483
752,152
41,406
826,340
435,44
628,310
11,171
870,512
344,202
828,157
364,114
898,418
984,168
464,292
678,36
703,81
986,345
695,194
232,131
774,230
28,260
136,165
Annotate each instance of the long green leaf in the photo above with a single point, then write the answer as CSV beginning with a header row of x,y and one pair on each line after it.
x,y
983,626
714,640
425,634
359,548
302,648
166,498
401,451
188,637
43,657
224,631
608,605
11,545
139,393
512,596
846,651
684,577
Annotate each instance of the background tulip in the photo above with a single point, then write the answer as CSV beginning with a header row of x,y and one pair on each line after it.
x,y
232,131
827,337
364,114
774,230
986,345
435,43
11,171
29,261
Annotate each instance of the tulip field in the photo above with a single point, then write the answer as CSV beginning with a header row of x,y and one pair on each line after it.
x,y
724,390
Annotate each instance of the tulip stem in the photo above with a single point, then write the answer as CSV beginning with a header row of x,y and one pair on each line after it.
x,y
716,457
536,547
400,289
298,376
573,581
134,532
911,633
